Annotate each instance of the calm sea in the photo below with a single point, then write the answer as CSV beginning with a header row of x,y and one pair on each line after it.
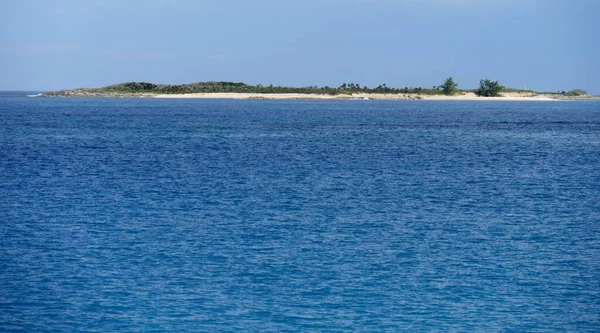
x,y
147,215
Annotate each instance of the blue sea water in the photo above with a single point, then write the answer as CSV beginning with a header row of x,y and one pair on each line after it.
x,y
149,215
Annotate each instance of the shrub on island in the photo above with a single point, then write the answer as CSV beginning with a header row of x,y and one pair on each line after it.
x,y
576,92
489,88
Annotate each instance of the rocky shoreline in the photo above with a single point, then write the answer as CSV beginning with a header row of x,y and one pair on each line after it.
x,y
82,92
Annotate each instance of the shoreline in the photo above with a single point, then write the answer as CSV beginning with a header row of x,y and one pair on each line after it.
x,y
460,96
358,96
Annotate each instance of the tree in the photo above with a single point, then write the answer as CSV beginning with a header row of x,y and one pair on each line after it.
x,y
489,88
449,86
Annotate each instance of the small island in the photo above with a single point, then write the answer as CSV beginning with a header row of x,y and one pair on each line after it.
x,y
448,90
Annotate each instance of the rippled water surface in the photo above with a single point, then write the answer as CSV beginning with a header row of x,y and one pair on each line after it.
x,y
150,215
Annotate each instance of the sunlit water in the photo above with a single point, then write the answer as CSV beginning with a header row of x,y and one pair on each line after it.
x,y
147,215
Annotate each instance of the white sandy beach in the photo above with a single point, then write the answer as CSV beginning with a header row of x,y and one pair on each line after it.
x,y
505,97
460,97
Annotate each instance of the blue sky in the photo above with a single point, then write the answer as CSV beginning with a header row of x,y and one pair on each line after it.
x,y
545,45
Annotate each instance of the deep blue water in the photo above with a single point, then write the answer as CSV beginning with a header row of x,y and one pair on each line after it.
x,y
145,215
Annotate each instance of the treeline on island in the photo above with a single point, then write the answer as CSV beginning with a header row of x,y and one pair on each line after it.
x,y
487,88
240,87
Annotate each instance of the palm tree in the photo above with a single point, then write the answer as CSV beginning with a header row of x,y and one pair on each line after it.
x,y
449,86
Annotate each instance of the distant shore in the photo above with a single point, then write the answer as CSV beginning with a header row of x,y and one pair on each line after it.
x,y
352,91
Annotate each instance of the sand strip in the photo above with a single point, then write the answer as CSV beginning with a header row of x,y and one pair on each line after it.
x,y
359,96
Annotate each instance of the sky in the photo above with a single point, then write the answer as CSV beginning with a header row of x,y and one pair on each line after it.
x,y
544,45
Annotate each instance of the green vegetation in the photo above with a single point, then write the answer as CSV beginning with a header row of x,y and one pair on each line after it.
x,y
516,90
449,87
571,93
489,88
239,87
576,92
134,86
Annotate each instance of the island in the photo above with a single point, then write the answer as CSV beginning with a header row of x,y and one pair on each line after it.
x,y
448,90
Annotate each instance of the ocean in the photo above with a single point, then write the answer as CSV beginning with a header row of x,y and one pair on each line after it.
x,y
150,215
